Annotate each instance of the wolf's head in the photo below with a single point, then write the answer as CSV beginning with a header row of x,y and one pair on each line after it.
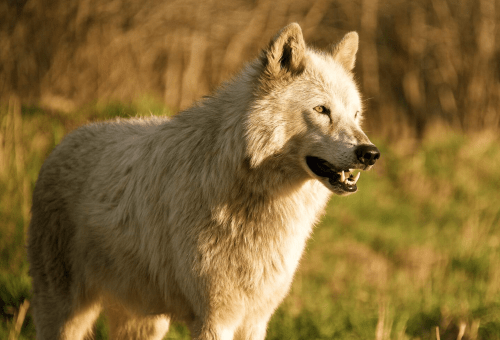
x,y
309,104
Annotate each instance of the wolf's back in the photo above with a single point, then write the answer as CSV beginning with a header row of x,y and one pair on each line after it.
x,y
62,186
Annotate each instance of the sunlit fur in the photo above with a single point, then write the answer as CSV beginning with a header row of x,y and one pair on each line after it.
x,y
202,217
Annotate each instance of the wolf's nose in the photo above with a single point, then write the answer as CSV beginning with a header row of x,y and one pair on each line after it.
x,y
367,154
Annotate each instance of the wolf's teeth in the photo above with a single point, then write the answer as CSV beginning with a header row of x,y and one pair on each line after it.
x,y
342,177
355,180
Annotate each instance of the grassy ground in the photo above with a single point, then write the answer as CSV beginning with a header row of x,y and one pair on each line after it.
x,y
415,251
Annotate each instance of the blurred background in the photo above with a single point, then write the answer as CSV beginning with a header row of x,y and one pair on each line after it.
x,y
419,61
414,255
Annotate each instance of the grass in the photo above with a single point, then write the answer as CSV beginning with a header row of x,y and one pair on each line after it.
x,y
415,251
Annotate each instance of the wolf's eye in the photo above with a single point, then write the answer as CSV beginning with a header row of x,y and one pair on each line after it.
x,y
356,115
321,109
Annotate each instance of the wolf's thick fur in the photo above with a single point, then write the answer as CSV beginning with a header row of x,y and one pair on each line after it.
x,y
202,217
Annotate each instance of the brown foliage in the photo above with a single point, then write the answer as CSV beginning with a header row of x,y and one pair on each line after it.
x,y
419,61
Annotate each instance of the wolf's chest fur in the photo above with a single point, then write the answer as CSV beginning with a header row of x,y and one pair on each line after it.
x,y
267,242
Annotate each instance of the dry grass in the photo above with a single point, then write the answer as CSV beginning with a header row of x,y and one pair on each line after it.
x,y
18,320
419,61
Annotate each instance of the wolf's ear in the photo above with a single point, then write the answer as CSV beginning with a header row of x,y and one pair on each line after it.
x,y
345,51
285,53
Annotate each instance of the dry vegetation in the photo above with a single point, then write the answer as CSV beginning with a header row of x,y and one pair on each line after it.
x,y
419,61
414,255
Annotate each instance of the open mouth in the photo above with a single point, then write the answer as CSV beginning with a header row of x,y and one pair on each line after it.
x,y
342,180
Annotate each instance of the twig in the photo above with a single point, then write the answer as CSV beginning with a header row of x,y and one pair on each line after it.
x,y
461,332
19,319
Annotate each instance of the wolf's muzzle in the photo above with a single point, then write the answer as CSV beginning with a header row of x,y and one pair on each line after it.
x,y
367,154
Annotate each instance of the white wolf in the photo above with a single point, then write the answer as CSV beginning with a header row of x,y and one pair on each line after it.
x,y
202,217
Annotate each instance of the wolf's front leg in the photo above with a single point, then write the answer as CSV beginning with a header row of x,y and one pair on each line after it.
x,y
252,330
211,331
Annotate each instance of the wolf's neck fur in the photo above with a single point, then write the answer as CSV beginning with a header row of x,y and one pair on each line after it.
x,y
245,192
